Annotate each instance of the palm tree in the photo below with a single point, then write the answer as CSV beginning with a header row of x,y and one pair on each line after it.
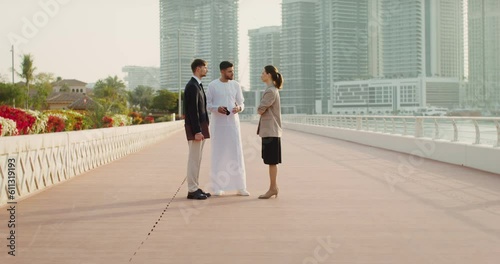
x,y
142,96
27,73
112,93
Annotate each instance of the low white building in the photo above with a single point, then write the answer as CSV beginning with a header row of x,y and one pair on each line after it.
x,y
388,96
70,85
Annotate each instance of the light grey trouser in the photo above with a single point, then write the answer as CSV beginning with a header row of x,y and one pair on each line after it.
x,y
194,161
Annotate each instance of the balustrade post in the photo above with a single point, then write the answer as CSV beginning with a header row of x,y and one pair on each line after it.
x,y
497,124
478,132
455,131
405,132
436,129
419,127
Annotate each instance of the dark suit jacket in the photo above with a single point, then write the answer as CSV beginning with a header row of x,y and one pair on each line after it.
x,y
195,110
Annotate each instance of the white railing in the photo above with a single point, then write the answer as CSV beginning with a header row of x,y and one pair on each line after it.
x,y
46,159
465,141
473,130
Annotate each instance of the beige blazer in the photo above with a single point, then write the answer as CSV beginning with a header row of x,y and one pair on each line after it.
x,y
270,113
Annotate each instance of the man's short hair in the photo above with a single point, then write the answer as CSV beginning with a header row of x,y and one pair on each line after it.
x,y
225,64
197,63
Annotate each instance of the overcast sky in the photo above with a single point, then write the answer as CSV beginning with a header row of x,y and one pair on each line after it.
x,y
91,39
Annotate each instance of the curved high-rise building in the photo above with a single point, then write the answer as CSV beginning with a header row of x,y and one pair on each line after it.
x,y
217,34
205,29
484,57
177,26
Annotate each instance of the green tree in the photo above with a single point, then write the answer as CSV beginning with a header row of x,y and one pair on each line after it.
x,y
27,73
11,94
44,77
111,94
43,86
142,96
165,101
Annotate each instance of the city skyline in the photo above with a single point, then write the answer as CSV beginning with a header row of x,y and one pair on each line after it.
x,y
324,42
96,39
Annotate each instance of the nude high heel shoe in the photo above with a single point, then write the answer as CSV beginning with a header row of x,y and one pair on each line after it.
x,y
269,194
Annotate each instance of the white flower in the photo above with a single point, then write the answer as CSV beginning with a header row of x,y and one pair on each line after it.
x,y
8,127
40,123
121,120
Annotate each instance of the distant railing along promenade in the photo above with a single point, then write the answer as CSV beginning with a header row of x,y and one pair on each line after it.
x,y
473,130
467,141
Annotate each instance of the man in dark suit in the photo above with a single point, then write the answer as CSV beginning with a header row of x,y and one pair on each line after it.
x,y
196,126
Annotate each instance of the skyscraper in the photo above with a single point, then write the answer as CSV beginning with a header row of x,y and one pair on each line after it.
x,y
403,38
408,41
298,60
484,55
264,50
177,26
216,34
342,45
374,45
421,38
444,38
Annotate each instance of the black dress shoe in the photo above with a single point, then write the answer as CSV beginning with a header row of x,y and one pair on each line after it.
x,y
205,193
197,195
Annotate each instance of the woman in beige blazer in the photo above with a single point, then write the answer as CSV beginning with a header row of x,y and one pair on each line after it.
x,y
270,126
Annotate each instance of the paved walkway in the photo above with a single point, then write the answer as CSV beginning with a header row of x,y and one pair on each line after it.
x,y
339,202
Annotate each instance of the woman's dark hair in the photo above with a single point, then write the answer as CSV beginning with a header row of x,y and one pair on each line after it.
x,y
197,63
277,77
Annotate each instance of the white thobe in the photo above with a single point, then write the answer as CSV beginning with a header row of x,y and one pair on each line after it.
x,y
227,170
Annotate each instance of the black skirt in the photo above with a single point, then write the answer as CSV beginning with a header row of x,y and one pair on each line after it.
x,y
271,150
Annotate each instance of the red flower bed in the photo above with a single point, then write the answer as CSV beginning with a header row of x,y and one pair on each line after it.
x,y
149,119
55,124
79,124
107,121
136,118
24,121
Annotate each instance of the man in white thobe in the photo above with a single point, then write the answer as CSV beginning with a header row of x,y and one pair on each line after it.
x,y
225,101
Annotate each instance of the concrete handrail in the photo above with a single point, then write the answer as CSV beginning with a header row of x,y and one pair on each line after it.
x,y
46,159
